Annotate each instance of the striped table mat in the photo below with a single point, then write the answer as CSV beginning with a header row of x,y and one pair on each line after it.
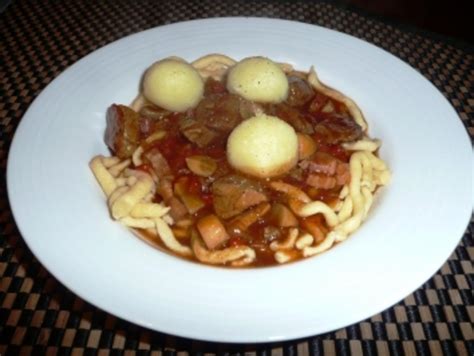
x,y
39,39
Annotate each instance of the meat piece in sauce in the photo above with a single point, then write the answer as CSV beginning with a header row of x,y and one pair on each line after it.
x,y
325,171
212,231
150,117
338,129
233,194
165,188
122,134
157,161
197,132
292,116
321,106
321,181
153,112
300,91
216,115
320,162
219,112
177,208
343,173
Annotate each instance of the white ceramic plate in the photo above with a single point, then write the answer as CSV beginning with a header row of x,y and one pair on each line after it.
x,y
413,228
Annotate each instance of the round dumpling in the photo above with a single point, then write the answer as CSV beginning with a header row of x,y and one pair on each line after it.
x,y
258,79
263,146
173,84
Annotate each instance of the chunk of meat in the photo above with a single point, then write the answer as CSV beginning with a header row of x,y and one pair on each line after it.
x,y
233,194
219,112
213,120
146,126
325,171
321,105
321,162
177,209
122,134
300,91
243,221
343,173
292,116
153,112
321,181
212,231
157,161
337,129
197,132
150,116
165,189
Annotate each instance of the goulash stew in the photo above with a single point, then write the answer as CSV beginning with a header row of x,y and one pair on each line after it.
x,y
247,163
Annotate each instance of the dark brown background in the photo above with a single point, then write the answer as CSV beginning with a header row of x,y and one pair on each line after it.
x,y
453,18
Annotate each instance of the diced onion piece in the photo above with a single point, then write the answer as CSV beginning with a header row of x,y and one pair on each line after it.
x,y
283,216
203,166
192,202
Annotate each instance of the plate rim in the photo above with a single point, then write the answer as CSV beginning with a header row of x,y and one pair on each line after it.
x,y
71,67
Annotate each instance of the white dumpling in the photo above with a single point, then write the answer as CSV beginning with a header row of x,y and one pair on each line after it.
x,y
173,84
258,79
263,146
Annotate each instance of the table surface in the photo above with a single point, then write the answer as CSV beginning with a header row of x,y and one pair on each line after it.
x,y
39,39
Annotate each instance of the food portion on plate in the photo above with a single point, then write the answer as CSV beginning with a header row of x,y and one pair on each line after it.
x,y
248,163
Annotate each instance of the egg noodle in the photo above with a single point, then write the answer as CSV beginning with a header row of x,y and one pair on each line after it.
x,y
130,191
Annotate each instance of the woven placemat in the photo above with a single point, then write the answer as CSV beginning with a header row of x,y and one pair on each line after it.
x,y
39,39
